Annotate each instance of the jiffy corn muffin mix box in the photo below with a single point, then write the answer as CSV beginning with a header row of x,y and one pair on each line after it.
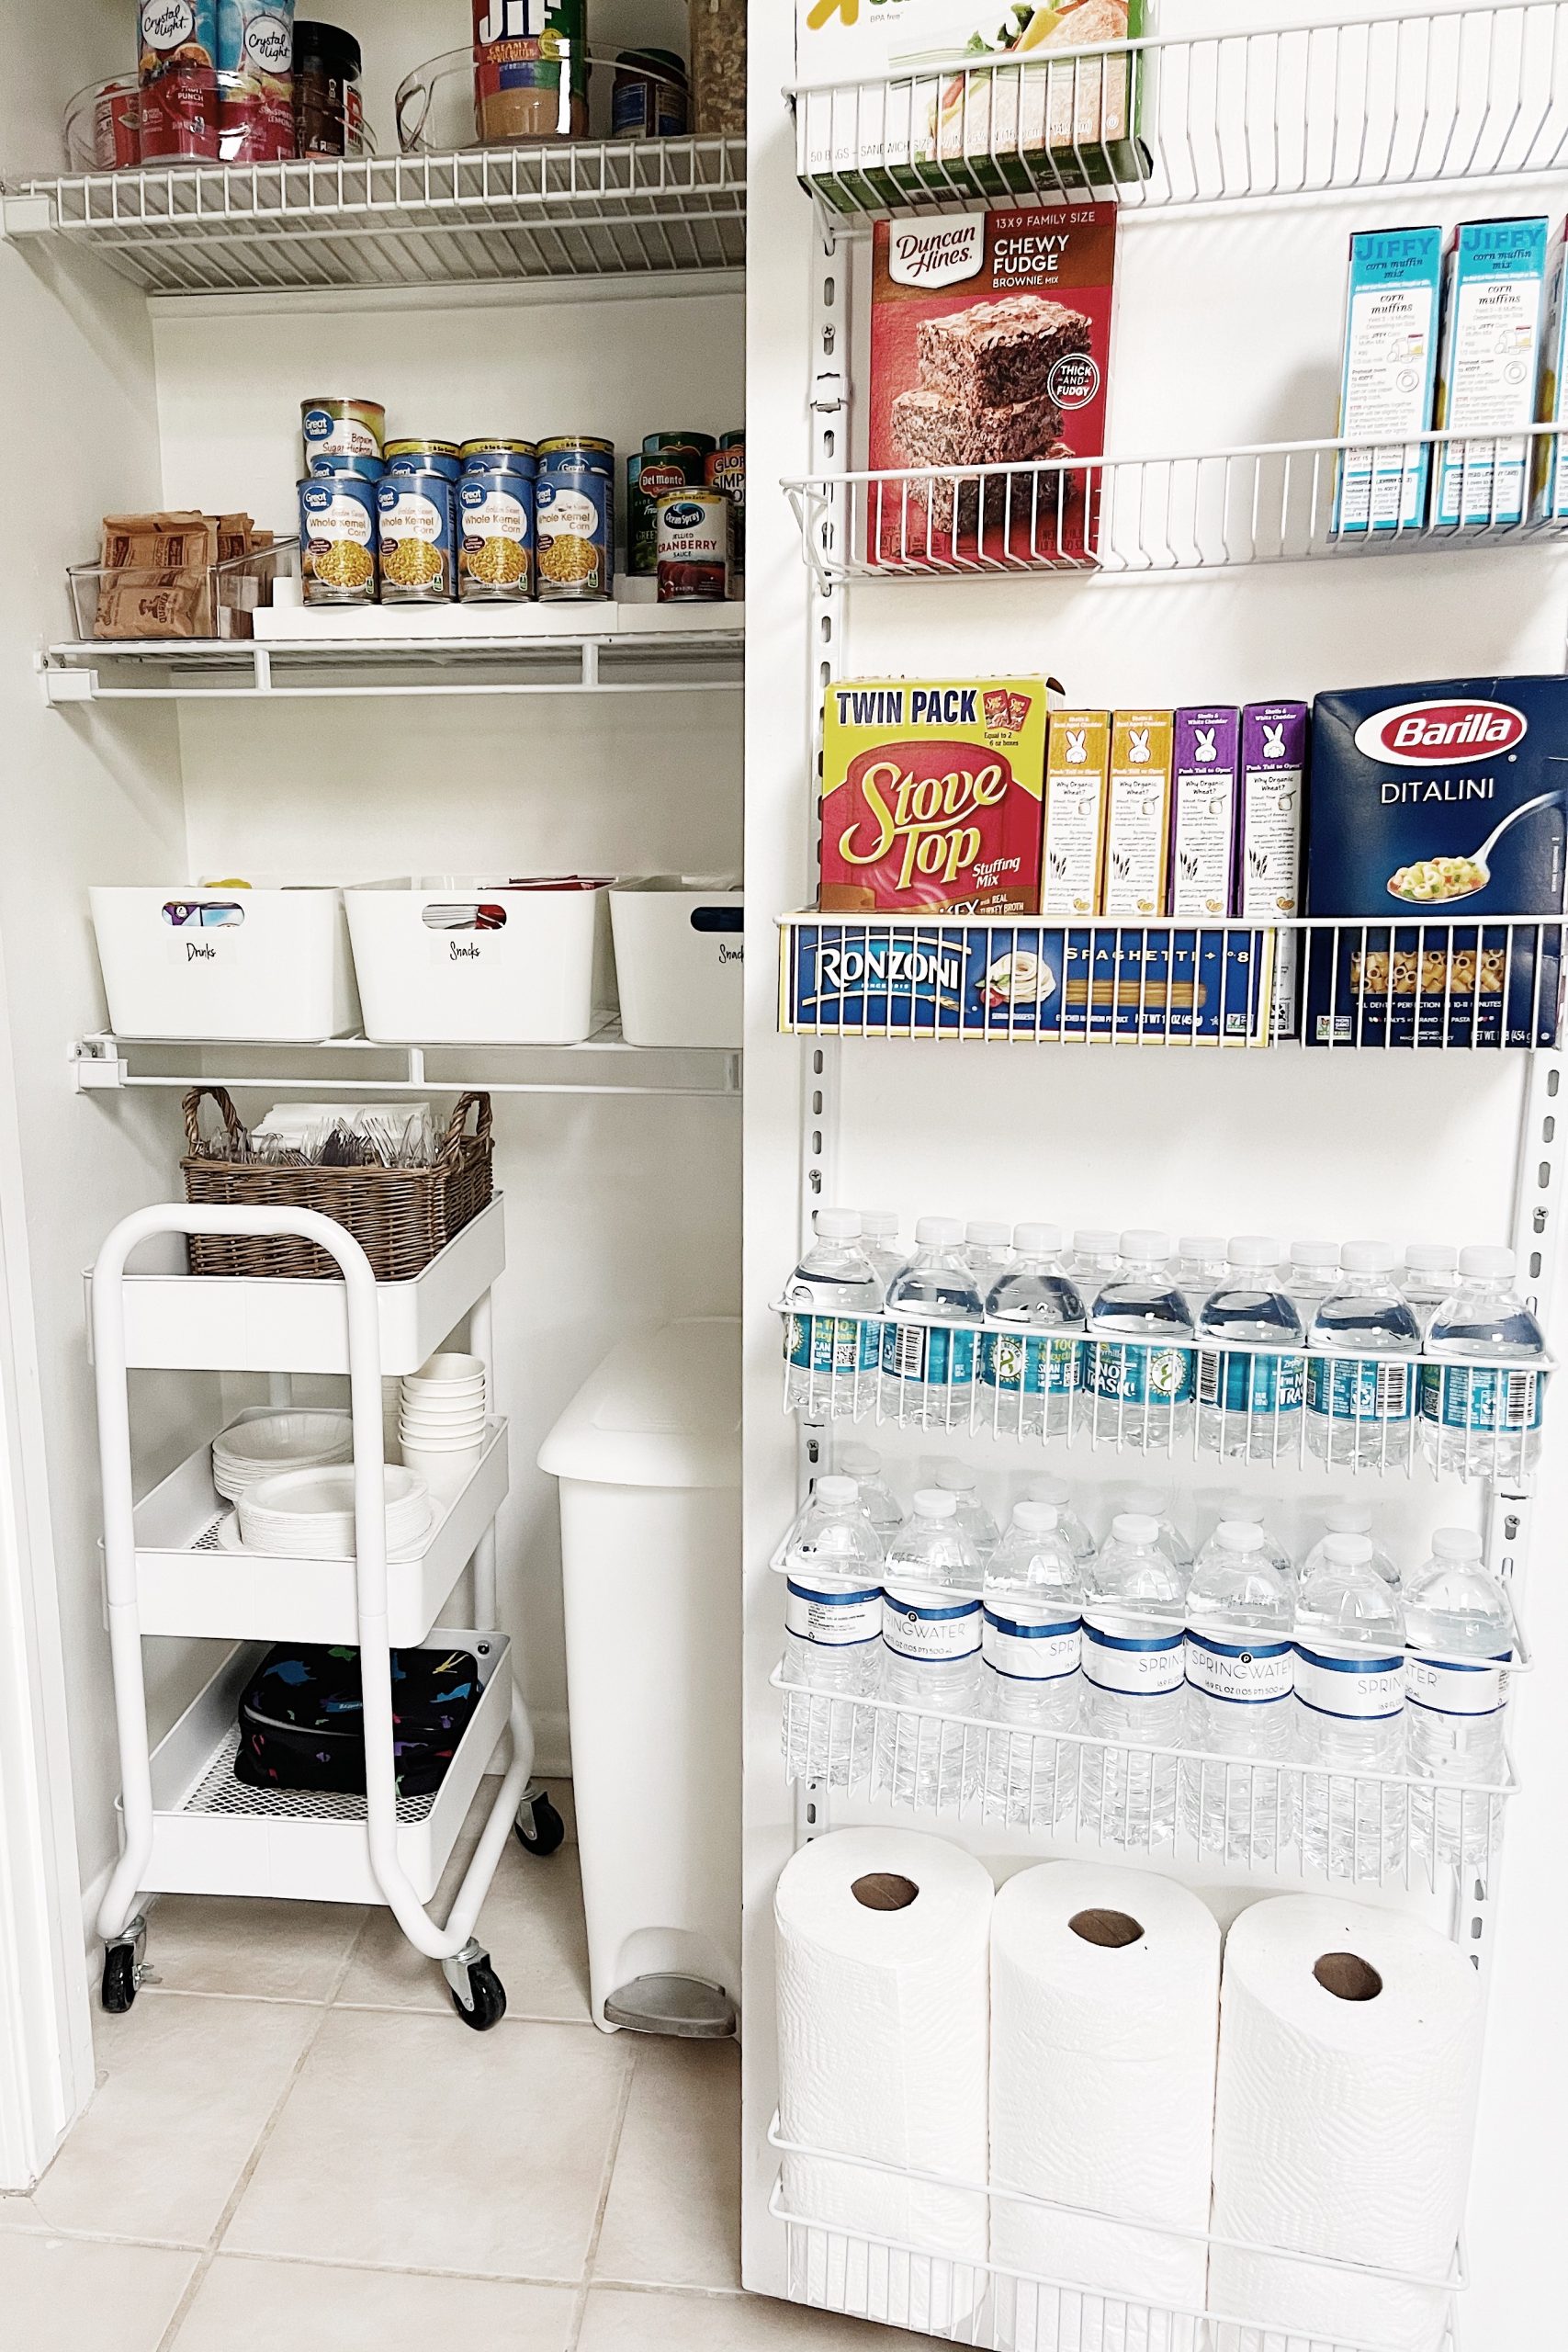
x,y
932,793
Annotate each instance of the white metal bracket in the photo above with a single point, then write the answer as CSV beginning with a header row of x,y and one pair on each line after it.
x,y
60,685
28,216
95,1063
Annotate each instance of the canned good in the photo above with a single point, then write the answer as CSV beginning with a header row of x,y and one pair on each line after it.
x,y
416,538
343,428
495,527
499,458
530,70
726,471
575,520
116,124
337,539
656,442
649,100
694,546
425,458
648,478
337,462
578,448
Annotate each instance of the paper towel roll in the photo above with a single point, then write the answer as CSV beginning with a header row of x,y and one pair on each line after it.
x,y
1349,2062
883,1944
1104,2012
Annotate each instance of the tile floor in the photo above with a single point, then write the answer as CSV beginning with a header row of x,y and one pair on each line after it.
x,y
294,2145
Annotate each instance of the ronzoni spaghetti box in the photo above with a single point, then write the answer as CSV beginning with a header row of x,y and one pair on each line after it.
x,y
932,793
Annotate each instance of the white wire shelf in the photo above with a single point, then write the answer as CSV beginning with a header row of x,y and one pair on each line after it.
x,y
1142,517
1171,1804
602,1064
1410,980
608,210
1421,97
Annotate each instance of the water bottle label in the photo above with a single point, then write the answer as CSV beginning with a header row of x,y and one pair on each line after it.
x,y
1238,1383
1357,1690
932,1636
1031,1653
829,1343
1359,1388
1019,1366
1140,1669
1445,1690
1132,1375
1462,1396
1252,1675
930,1355
833,1621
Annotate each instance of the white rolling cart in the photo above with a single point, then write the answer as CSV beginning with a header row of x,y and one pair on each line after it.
x,y
188,1826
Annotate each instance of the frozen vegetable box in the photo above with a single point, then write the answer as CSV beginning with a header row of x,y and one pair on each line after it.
x,y
1443,803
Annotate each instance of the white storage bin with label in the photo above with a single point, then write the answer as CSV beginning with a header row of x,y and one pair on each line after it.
x,y
196,960
678,961
443,962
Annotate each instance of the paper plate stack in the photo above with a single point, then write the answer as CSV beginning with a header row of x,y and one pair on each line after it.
x,y
308,1515
266,1445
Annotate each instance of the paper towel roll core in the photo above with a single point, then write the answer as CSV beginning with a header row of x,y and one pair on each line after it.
x,y
1112,1930
884,1891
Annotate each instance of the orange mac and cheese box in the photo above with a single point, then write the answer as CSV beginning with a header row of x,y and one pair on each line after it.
x,y
932,793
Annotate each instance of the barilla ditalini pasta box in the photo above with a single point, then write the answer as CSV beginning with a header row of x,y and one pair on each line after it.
x,y
1442,804
931,792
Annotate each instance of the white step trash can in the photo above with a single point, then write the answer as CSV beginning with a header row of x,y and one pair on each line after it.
x,y
648,1454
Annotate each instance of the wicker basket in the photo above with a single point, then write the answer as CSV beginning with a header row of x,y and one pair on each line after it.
x,y
400,1216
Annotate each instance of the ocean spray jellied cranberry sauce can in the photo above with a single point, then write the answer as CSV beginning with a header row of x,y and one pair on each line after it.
x,y
694,546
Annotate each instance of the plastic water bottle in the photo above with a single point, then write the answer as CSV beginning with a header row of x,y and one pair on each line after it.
x,y
1134,1626
832,1342
1069,1523
927,1368
1459,1628
1250,1405
832,1629
1153,1502
956,1478
879,1239
1352,1519
1484,1417
1430,1277
1315,1270
1034,1630
1198,1269
932,1629
1095,1256
1349,1714
1029,1373
877,1499
1138,1363
1244,1511
1361,1382
1240,1676
988,1250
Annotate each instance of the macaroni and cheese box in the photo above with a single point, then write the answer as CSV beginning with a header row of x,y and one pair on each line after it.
x,y
1076,770
932,793
1385,390
1430,801
1204,812
1488,362
1138,827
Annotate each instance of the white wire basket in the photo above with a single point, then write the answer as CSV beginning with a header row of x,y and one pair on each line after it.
x,y
1406,99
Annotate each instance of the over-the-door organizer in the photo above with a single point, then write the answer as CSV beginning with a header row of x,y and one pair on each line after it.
x,y
901,2198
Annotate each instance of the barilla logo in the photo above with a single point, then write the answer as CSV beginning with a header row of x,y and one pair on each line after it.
x,y
684,515
269,45
942,252
1439,734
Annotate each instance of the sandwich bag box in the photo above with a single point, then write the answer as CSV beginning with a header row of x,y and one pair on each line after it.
x,y
990,348
1432,807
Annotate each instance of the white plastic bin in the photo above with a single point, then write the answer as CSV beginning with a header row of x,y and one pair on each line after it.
x,y
648,1458
446,962
196,961
678,961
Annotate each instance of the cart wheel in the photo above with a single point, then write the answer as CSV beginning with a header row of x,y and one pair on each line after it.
x,y
540,1829
487,1995
119,1978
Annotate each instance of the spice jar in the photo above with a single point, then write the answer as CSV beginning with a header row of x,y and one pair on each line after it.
x,y
717,30
329,115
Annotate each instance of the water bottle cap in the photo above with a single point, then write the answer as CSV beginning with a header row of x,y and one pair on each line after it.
x,y
931,1504
1455,1544
938,1232
1047,1491
1323,1254
1254,1250
1431,1258
860,1461
839,1494
881,1225
1239,1535
1145,1241
955,1478
1240,1510
1347,1551
1149,1500
986,1233
1200,1245
1135,1527
1369,1258
1349,1518
837,1225
1036,1519
1480,1264
1095,1241
1037,1240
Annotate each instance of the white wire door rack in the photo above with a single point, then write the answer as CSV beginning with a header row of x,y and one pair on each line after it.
x,y
188,1825
1259,115
617,209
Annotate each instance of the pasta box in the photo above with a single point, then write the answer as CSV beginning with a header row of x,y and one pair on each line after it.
x,y
1443,799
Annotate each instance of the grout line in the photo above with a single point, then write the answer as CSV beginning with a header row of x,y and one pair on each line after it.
x,y
611,2153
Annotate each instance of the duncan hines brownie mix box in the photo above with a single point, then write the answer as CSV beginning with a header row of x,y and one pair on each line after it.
x,y
931,795
991,345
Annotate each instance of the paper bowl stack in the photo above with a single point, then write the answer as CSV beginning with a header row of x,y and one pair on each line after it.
x,y
267,1444
441,1420
308,1515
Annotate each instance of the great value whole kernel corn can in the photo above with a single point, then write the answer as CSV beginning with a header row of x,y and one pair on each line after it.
x,y
425,458
575,520
694,546
495,538
501,457
337,539
416,539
